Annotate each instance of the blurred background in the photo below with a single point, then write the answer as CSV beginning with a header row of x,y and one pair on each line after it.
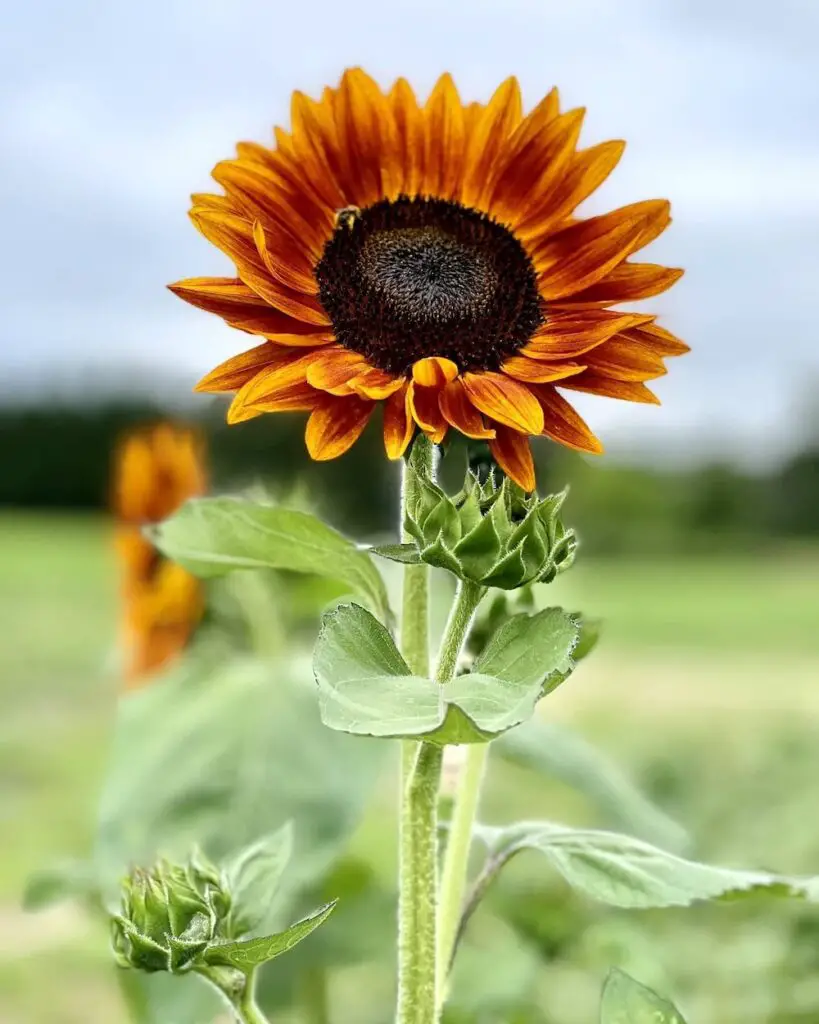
x,y
700,528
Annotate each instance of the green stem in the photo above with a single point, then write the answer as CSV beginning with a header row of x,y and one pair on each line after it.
x,y
314,999
239,992
456,859
420,774
467,598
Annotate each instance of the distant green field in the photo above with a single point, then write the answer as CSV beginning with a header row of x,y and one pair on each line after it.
x,y
732,643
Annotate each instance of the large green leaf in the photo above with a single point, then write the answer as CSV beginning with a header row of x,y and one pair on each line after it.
x,y
626,872
222,757
366,687
530,648
555,751
252,952
626,1001
253,876
212,536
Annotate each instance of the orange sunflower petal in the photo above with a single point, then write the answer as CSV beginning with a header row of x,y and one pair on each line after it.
x,y
562,423
235,238
567,335
423,406
585,173
333,371
366,133
580,255
493,124
658,339
531,371
280,262
399,425
625,283
335,425
235,372
231,299
409,125
460,413
513,454
282,386
444,140
628,390
625,359
375,384
434,371
505,400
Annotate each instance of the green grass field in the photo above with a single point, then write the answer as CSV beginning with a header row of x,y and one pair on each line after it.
x,y
706,687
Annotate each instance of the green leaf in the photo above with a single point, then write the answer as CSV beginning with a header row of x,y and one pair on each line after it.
x,y
556,752
590,631
213,536
253,877
252,952
626,1001
70,879
529,648
626,872
366,688
408,554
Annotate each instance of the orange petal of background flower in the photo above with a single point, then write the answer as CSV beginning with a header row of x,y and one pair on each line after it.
x,y
513,454
460,413
505,400
562,423
423,405
399,426
335,425
434,372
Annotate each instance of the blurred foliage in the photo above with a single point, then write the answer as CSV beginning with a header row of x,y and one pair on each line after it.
x,y
615,508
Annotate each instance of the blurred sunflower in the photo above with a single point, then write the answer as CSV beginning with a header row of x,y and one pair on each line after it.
x,y
155,471
426,257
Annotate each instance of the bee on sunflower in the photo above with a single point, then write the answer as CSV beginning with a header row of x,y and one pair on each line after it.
x,y
427,258
155,471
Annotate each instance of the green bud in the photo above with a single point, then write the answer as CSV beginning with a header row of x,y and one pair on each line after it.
x,y
169,915
492,534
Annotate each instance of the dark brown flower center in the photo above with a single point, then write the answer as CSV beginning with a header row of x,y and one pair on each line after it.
x,y
409,278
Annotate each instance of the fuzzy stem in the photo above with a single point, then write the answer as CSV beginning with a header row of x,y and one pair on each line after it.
x,y
417,884
456,859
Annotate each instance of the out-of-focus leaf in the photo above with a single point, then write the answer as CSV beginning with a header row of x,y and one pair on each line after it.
x,y
212,536
626,872
556,752
253,876
626,1001
69,879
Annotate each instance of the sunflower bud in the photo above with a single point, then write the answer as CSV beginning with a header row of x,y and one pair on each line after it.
x,y
169,915
492,534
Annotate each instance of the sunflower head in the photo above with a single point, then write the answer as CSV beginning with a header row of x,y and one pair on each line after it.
x,y
427,258
155,471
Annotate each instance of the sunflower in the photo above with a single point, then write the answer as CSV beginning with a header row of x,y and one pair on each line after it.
x,y
427,258
155,471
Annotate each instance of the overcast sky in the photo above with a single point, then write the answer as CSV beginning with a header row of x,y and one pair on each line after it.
x,y
111,113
